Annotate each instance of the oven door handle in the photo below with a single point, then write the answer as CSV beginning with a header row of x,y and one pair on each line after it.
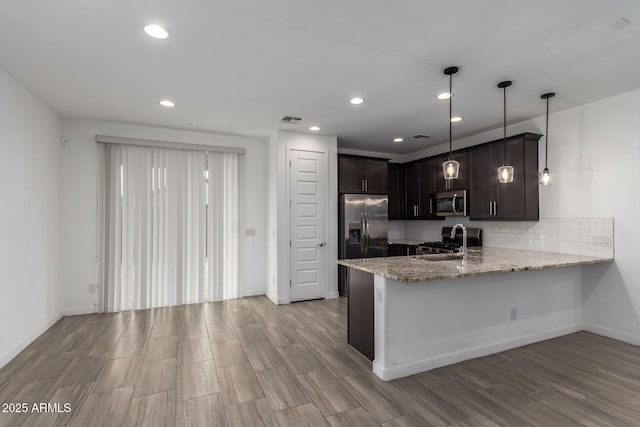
x,y
453,204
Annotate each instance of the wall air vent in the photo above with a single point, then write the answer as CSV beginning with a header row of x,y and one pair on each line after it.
x,y
417,137
621,23
291,120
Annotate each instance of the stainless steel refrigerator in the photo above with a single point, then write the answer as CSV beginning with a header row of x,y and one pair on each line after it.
x,y
362,230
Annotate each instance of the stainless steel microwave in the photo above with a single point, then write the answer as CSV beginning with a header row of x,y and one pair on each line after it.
x,y
451,203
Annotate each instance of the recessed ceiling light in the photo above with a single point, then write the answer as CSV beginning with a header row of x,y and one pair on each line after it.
x,y
357,100
456,119
444,95
156,31
314,128
398,139
167,103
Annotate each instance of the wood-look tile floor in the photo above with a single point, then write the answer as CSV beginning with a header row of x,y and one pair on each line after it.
x,y
250,363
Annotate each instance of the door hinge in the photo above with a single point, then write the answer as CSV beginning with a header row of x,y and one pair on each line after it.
x,y
290,283
289,163
289,242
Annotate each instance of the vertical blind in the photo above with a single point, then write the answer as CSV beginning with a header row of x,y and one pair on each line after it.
x,y
168,226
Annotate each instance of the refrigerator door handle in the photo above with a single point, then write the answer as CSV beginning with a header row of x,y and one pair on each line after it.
x,y
362,233
366,234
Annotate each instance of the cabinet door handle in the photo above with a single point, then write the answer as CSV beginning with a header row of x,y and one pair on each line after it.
x,y
366,185
495,208
490,208
362,185
430,205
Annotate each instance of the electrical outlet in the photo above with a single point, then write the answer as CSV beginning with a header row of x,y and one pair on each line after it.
x,y
602,240
378,295
514,313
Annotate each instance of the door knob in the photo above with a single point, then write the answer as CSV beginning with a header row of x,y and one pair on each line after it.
x,y
320,244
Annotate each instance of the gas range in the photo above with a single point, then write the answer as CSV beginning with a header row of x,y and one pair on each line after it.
x,y
449,245
438,247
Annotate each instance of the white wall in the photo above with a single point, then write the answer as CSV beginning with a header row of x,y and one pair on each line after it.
x,y
30,294
594,154
79,192
280,143
272,219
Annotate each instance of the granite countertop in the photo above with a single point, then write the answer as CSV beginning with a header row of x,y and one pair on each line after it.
x,y
423,268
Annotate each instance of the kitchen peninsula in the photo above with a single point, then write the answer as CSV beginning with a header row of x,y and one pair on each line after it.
x,y
434,310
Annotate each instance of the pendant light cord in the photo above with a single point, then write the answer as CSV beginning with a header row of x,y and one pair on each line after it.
x,y
450,111
504,135
546,138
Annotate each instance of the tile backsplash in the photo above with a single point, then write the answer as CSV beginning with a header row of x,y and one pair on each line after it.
x,y
578,236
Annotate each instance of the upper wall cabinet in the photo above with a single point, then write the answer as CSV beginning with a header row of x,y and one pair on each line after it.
x,y
420,186
362,175
517,200
396,187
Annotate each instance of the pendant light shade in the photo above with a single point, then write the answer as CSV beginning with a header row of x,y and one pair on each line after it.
x,y
450,168
545,176
505,172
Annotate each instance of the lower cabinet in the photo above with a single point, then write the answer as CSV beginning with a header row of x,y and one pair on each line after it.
x,y
396,249
360,332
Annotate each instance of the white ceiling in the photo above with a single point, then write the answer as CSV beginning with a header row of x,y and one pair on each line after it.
x,y
239,66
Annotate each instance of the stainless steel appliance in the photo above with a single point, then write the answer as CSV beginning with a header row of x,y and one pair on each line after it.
x,y
451,203
449,245
362,230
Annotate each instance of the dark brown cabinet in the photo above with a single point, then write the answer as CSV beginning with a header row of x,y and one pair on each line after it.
x,y
419,190
360,332
517,200
398,249
396,189
362,175
462,183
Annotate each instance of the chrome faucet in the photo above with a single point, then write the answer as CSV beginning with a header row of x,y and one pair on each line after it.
x,y
463,248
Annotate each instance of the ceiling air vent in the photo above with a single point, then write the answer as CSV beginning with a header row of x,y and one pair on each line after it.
x,y
291,120
420,137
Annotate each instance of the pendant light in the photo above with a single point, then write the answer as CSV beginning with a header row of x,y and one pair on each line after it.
x,y
505,173
450,168
545,175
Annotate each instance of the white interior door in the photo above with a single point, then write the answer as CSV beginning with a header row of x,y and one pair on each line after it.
x,y
307,204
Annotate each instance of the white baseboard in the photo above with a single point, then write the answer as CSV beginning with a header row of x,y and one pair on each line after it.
x,y
333,294
75,311
612,333
253,292
6,358
470,353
